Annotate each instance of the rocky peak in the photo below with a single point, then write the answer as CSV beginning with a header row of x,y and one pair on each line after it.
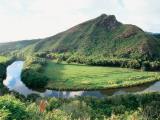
x,y
108,21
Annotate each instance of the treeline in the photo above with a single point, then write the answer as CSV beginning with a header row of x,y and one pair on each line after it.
x,y
122,107
146,65
115,62
32,73
127,63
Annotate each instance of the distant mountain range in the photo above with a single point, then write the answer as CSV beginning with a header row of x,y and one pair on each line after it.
x,y
102,36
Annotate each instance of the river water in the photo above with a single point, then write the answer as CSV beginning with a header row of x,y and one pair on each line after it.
x,y
13,82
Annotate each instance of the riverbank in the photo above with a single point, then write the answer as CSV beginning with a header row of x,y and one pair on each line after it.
x,y
127,106
4,62
83,77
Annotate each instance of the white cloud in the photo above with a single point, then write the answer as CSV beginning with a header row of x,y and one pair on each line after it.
x,y
27,19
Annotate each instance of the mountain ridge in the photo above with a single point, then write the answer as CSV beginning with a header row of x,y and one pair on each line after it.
x,y
103,36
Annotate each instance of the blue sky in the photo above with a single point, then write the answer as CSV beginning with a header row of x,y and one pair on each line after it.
x,y
28,19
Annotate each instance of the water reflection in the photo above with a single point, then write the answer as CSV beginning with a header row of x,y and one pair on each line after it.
x,y
13,82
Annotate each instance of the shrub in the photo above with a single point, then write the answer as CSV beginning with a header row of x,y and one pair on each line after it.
x,y
77,110
32,73
33,79
53,103
119,109
12,108
4,114
57,115
34,113
151,111
146,66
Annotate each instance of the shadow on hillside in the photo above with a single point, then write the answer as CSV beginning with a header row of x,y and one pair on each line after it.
x,y
55,71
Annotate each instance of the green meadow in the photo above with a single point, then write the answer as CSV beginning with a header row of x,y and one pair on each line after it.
x,y
76,77
3,59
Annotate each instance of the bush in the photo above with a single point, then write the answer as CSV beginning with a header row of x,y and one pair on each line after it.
x,y
151,111
119,109
57,115
53,103
77,110
32,73
33,79
2,70
146,66
12,108
34,113
4,114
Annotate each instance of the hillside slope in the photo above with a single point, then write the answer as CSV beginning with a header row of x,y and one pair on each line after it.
x,y
157,35
6,48
103,36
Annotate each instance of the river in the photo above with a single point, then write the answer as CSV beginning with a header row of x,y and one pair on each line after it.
x,y
13,82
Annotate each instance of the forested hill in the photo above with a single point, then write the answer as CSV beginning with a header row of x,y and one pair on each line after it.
x,y
6,48
103,36
157,35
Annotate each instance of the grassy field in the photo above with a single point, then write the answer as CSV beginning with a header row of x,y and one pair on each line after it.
x,y
65,76
3,59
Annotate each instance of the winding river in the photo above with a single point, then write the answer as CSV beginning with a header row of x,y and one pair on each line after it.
x,y
13,82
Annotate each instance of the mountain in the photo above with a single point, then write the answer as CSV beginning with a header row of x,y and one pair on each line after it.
x,y
103,36
157,35
6,48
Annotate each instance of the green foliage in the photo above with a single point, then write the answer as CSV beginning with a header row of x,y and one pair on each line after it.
x,y
77,110
102,41
151,66
34,79
34,113
3,59
54,103
12,108
2,70
103,36
31,74
7,48
57,115
97,38
122,107
156,35
34,60
113,62
151,111
4,62
4,114
119,109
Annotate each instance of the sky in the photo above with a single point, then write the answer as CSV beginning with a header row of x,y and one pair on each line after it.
x,y
31,19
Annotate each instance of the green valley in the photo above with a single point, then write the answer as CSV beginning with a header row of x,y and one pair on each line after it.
x,y
65,76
